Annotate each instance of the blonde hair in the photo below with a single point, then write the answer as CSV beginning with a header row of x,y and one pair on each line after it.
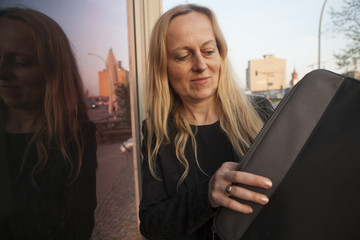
x,y
63,106
237,117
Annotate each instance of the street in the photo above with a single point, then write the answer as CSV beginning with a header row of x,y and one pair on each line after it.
x,y
115,215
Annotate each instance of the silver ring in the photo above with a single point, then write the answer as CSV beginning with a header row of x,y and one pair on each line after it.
x,y
228,189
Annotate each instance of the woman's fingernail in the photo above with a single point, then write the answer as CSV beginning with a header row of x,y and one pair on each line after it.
x,y
250,210
268,183
264,200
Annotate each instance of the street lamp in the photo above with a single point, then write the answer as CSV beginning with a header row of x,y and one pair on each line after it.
x,y
322,10
94,54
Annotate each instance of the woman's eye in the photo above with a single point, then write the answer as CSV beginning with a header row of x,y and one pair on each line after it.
x,y
19,62
209,52
22,62
181,58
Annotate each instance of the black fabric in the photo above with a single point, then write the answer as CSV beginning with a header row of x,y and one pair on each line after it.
x,y
318,198
214,148
15,146
56,209
262,106
171,212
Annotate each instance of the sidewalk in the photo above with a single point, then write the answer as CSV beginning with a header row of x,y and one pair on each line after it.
x,y
115,215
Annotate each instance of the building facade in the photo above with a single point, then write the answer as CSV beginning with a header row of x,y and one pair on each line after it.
x,y
267,76
122,76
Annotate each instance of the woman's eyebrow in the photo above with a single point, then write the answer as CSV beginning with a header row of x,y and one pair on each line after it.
x,y
188,48
208,42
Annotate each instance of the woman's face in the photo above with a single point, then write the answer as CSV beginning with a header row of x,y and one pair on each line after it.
x,y
193,62
21,78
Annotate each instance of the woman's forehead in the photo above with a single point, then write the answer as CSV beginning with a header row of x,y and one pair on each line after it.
x,y
191,28
16,36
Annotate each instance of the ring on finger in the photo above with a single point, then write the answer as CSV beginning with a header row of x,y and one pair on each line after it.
x,y
228,189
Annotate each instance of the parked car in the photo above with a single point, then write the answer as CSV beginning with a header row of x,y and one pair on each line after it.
x,y
92,103
127,146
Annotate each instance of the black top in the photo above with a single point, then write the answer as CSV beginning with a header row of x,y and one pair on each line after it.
x,y
214,148
15,146
53,208
169,211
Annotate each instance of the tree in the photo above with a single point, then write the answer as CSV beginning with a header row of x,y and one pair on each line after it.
x,y
123,100
347,21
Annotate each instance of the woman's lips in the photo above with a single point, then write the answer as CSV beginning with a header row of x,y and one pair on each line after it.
x,y
200,81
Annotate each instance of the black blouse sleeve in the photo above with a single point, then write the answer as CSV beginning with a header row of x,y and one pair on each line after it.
x,y
263,107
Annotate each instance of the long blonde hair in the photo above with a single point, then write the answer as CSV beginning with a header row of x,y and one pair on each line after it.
x,y
237,117
63,106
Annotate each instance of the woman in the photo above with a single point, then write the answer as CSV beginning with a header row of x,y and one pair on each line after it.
x,y
47,144
198,127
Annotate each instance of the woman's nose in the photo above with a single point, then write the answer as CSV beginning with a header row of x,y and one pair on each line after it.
x,y
199,64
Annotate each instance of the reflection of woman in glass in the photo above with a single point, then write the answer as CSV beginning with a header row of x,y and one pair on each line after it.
x,y
47,144
199,125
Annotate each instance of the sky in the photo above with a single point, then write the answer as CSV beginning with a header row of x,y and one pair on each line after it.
x,y
286,29
92,26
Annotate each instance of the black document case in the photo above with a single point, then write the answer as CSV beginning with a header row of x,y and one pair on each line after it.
x,y
310,149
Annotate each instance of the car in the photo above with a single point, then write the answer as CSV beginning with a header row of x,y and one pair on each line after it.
x,y
127,146
92,103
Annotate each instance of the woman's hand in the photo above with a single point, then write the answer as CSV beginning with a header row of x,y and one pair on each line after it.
x,y
225,176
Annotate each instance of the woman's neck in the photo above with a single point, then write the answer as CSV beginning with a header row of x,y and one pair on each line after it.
x,y
21,121
202,113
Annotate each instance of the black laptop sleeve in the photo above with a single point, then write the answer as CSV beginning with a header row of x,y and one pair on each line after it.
x,y
310,149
